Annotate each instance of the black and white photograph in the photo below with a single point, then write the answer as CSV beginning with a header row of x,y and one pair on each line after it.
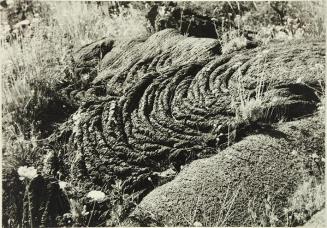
x,y
163,113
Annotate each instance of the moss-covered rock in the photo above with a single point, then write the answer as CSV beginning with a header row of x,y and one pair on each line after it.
x,y
256,175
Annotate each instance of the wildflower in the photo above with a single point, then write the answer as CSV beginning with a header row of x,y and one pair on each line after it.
x,y
96,195
26,172
197,224
62,184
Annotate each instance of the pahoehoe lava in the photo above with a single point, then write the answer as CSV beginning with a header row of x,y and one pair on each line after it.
x,y
168,99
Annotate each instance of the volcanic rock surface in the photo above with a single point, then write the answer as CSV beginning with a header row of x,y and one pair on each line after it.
x,y
262,169
148,104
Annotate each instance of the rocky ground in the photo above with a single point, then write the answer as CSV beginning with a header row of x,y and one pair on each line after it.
x,y
175,128
155,104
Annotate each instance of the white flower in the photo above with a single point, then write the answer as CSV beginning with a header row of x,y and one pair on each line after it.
x,y
197,224
27,172
96,195
63,184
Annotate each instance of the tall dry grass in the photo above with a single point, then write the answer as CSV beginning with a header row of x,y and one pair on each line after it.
x,y
33,63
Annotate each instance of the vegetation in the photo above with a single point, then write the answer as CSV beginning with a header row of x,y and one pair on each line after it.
x,y
36,45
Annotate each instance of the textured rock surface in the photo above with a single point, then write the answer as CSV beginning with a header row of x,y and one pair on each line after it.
x,y
166,100
267,165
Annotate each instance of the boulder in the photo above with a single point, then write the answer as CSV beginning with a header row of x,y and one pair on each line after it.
x,y
247,184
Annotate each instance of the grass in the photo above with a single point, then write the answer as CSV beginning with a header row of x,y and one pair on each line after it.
x,y
249,107
84,22
198,215
307,200
34,63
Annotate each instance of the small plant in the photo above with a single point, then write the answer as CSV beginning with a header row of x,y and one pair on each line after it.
x,y
219,215
234,44
306,201
250,104
249,108
266,216
121,204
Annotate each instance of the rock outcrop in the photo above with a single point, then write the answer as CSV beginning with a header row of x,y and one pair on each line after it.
x,y
255,176
169,99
